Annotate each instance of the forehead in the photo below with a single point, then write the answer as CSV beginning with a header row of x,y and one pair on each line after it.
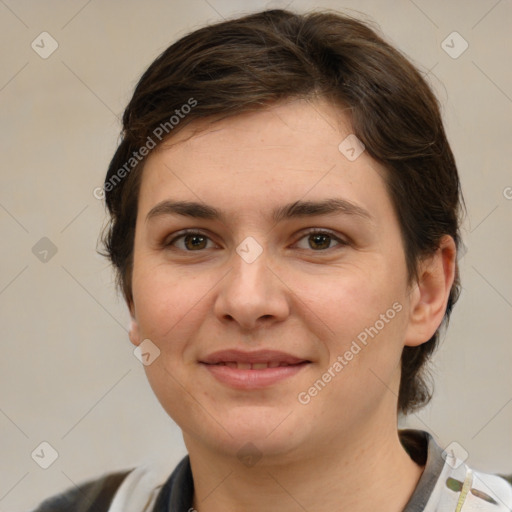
x,y
298,125
290,151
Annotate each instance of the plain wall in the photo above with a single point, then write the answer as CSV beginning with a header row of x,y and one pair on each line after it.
x,y
68,375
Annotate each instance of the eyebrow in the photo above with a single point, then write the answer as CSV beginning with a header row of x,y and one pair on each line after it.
x,y
292,210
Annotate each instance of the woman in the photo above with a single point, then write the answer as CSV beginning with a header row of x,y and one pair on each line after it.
x,y
285,213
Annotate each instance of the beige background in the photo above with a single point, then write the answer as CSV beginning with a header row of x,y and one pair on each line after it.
x,y
68,375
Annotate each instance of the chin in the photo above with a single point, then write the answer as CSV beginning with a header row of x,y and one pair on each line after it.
x,y
263,449
252,434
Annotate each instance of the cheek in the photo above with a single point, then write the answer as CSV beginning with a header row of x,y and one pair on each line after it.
x,y
364,311
168,304
349,301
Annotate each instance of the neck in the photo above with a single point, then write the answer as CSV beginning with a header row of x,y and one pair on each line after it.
x,y
347,472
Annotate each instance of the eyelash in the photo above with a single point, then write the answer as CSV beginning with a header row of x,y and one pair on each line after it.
x,y
312,231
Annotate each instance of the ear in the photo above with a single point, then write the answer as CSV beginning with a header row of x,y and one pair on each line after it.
x,y
429,296
134,333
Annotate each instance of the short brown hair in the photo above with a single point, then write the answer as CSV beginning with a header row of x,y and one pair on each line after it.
x,y
245,64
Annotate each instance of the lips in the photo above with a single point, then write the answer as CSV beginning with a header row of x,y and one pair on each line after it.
x,y
257,360
253,366
252,370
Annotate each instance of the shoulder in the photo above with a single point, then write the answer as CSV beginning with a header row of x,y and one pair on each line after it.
x,y
94,495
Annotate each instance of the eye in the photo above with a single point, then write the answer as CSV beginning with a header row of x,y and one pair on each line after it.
x,y
318,240
190,241
321,240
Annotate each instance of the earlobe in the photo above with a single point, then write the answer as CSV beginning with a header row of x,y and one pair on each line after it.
x,y
430,296
133,333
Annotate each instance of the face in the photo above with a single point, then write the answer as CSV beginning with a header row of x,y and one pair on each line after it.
x,y
291,253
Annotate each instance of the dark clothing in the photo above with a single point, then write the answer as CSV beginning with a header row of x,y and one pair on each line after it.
x,y
92,496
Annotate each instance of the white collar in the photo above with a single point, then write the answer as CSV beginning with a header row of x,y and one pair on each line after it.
x,y
140,488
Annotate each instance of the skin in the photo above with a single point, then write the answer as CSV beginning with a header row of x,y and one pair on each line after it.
x,y
341,450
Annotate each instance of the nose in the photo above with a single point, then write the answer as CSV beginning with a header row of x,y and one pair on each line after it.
x,y
252,294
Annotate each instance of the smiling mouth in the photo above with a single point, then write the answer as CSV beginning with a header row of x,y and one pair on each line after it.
x,y
246,376
255,366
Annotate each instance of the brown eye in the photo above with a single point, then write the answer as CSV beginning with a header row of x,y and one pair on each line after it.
x,y
191,241
320,241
